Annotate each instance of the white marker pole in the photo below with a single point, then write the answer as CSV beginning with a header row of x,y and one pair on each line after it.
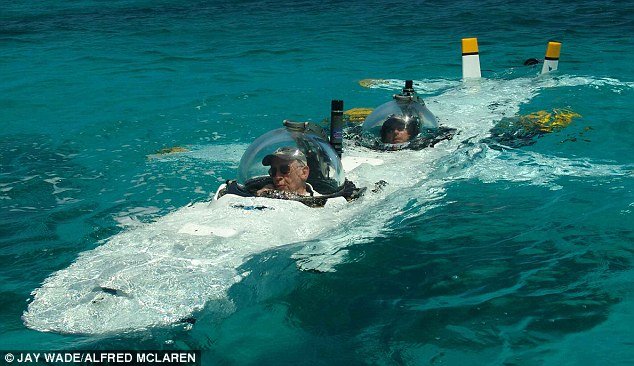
x,y
551,61
470,59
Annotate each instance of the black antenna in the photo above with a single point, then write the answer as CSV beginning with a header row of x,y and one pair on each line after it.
x,y
336,125
409,87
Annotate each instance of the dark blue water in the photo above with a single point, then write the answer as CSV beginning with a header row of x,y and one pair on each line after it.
x,y
522,259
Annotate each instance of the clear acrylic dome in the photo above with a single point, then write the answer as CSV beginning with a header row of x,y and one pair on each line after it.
x,y
326,173
398,122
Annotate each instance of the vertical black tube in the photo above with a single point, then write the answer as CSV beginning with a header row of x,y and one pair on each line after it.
x,y
409,87
336,126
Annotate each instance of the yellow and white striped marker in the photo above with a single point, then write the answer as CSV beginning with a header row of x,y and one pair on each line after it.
x,y
470,58
551,61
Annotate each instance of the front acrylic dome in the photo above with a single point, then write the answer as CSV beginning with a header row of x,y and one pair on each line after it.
x,y
398,122
326,173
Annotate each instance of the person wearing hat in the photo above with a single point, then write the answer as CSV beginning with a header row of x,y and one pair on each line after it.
x,y
289,171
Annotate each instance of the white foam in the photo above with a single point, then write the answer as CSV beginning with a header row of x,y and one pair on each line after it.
x,y
136,216
421,86
535,168
202,230
213,153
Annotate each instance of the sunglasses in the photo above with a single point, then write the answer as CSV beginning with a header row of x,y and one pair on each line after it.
x,y
284,169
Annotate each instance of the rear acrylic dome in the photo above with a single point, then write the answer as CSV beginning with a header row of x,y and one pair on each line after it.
x,y
406,115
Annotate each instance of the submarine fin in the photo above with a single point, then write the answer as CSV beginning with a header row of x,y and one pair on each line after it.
x,y
470,59
551,61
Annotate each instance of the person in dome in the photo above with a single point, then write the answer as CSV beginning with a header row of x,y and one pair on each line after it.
x,y
396,130
289,171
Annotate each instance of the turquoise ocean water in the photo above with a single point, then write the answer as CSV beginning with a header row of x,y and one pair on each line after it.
x,y
524,257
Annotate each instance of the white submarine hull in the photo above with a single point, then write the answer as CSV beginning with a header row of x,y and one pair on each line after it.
x,y
164,272
161,273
